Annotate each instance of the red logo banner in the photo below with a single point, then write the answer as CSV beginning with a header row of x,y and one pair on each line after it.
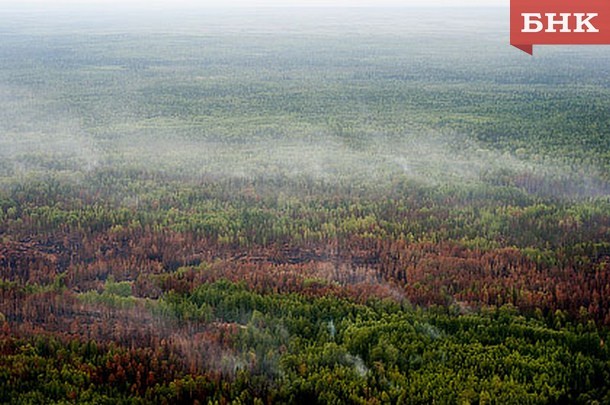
x,y
558,22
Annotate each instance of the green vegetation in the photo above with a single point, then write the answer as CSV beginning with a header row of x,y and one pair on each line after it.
x,y
328,350
349,208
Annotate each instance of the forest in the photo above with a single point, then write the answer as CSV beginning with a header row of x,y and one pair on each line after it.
x,y
323,206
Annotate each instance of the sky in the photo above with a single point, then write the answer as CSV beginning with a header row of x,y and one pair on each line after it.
x,y
252,3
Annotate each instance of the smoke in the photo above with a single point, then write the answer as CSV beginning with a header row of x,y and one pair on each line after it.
x,y
230,95
331,328
428,330
358,364
37,138
429,159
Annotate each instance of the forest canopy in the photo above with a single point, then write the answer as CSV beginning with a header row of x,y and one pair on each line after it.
x,y
280,207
